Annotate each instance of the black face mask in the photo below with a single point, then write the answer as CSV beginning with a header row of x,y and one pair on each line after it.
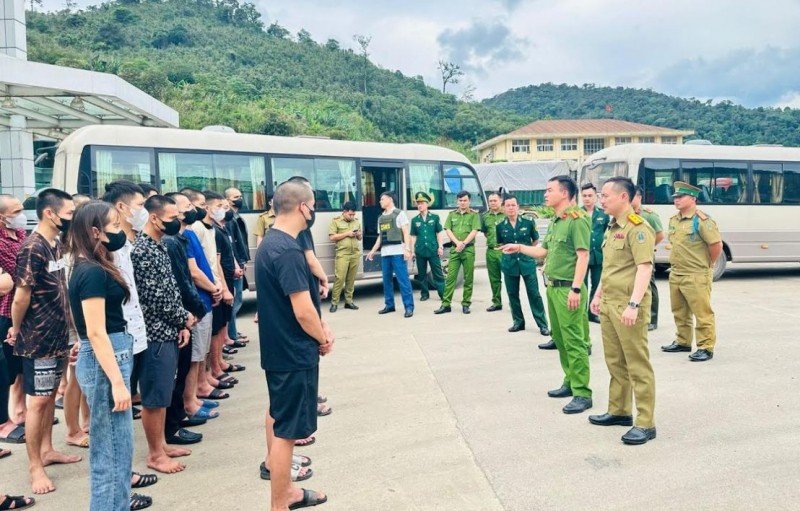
x,y
237,203
64,225
310,221
116,240
171,228
190,217
229,215
201,213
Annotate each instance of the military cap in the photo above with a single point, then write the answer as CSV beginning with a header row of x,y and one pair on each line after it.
x,y
682,188
423,197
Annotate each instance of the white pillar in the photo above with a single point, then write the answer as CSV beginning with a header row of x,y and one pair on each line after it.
x,y
12,29
16,159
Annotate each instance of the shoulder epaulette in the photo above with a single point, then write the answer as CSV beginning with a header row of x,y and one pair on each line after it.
x,y
701,215
635,219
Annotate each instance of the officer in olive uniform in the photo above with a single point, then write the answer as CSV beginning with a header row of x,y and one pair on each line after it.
x,y
695,244
428,250
623,302
264,222
462,225
655,222
518,229
345,231
599,222
489,222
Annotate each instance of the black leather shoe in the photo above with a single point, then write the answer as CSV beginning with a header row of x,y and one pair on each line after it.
x,y
408,314
423,298
465,310
351,306
516,328
494,308
333,308
589,351
562,391
701,356
549,345
611,420
190,422
443,310
544,331
594,318
578,404
386,310
675,348
184,437
639,436
651,327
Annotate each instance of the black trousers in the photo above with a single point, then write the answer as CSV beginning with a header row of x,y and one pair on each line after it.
x,y
176,412
4,386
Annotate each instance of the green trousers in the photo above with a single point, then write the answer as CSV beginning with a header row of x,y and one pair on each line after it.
x,y
435,265
534,299
569,335
493,258
593,273
465,258
345,268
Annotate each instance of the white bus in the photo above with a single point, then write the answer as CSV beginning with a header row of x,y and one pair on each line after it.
x,y
752,192
339,171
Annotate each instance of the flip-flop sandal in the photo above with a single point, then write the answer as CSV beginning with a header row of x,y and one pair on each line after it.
x,y
322,399
310,439
299,459
237,344
229,350
295,473
215,394
140,502
137,413
145,480
16,502
4,453
310,499
235,368
227,378
323,411
224,385
17,436
205,413
83,443
209,405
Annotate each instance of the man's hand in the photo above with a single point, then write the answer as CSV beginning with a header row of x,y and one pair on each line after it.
x,y
191,320
217,295
510,248
460,246
407,255
227,297
73,353
440,252
573,300
11,336
326,348
370,255
323,288
595,305
238,272
183,337
629,316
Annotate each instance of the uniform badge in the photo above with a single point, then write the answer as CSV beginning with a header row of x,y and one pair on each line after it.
x,y
619,236
640,237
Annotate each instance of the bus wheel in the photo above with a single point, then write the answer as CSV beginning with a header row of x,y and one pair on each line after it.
x,y
720,265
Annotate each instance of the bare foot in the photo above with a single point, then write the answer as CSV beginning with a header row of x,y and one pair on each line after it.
x,y
40,483
58,458
204,390
176,452
165,465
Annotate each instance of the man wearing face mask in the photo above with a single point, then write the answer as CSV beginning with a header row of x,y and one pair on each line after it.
x,y
241,251
12,234
168,328
40,329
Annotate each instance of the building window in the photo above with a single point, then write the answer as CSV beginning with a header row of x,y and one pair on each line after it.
x,y
669,140
647,140
622,140
569,144
520,146
544,145
592,145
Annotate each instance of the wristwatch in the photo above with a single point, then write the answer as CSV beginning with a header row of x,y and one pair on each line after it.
x,y
633,305
575,290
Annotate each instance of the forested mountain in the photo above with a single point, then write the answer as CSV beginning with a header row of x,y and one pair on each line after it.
x,y
721,123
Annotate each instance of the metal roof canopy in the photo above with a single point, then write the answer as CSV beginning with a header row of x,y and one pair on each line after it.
x,y
57,100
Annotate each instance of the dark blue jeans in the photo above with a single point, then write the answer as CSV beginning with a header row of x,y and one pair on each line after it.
x,y
396,265
237,291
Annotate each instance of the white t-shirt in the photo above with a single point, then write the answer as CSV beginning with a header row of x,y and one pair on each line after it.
x,y
131,310
208,240
400,248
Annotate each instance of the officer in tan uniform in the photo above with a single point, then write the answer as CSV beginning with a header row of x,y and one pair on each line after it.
x,y
623,303
264,222
695,244
345,231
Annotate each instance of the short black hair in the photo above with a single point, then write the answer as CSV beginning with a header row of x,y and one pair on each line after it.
x,y
588,186
78,196
147,188
289,195
498,194
463,193
390,195
349,206
509,196
638,191
566,183
174,195
51,198
157,203
191,193
121,190
623,184
209,195
300,179
269,197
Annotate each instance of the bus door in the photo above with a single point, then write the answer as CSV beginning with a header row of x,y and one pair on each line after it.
x,y
377,177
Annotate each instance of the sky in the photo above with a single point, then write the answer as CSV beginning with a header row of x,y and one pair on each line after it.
x,y
739,50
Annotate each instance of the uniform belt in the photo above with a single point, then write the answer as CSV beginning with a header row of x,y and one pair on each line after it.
x,y
559,283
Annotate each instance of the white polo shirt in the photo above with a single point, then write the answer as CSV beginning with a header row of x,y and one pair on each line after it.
x,y
130,309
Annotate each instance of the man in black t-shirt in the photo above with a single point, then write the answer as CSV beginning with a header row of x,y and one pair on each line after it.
x,y
292,335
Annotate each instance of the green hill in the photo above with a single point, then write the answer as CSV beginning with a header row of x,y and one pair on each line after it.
x,y
216,63
721,123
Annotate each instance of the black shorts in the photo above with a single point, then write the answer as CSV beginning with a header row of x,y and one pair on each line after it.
x,y
13,362
157,377
293,402
221,315
42,376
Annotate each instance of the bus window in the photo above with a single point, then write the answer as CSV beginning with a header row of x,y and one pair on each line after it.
x,y
699,174
458,178
111,164
186,170
425,177
767,183
656,176
730,182
333,179
791,183
284,168
597,173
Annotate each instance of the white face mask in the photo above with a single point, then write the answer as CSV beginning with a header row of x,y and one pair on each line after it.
x,y
139,219
19,221
218,214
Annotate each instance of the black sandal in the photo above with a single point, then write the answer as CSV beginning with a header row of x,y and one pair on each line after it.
x,y
310,499
18,501
140,501
145,480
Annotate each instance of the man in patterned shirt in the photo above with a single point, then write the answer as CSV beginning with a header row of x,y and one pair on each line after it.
x,y
40,329
167,324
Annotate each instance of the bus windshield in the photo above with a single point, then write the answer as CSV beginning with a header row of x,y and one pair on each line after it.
x,y
598,172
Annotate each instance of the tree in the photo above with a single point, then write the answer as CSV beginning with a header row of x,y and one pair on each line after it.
x,y
451,73
332,44
69,5
35,3
304,37
363,43
468,94
277,31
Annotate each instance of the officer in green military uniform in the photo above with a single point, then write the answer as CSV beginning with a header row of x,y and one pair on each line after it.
x,y
651,217
461,226
623,302
599,222
489,223
695,244
520,230
566,246
345,231
428,250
